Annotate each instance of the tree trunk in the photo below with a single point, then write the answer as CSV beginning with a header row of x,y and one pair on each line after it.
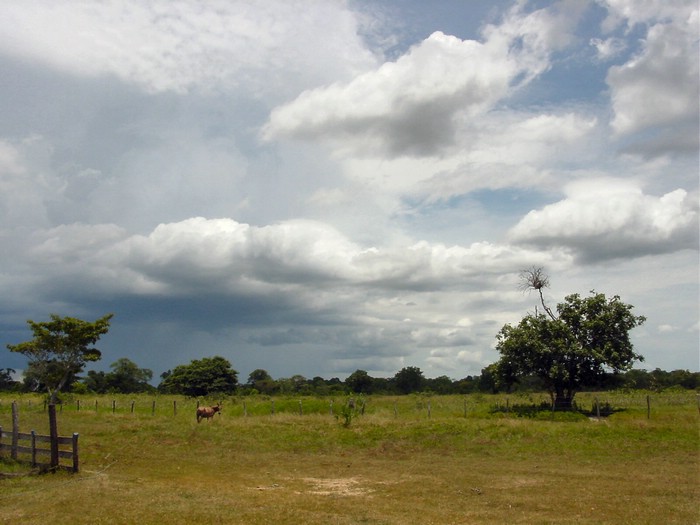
x,y
563,400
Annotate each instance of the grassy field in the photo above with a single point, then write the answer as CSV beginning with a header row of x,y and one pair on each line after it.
x,y
406,460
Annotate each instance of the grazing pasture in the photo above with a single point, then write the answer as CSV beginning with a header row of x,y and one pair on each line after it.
x,y
407,459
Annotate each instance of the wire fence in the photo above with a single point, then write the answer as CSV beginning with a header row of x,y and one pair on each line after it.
x,y
412,406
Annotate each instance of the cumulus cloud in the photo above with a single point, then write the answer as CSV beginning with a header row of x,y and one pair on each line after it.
x,y
411,106
607,219
133,180
226,256
659,87
294,283
504,149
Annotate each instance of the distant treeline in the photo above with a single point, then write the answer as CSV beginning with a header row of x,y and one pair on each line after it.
x,y
215,375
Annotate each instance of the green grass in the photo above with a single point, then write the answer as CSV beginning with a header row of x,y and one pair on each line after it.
x,y
392,465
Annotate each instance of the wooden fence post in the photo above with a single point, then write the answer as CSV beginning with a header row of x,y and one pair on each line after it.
x,y
114,406
132,407
396,413
78,405
153,408
648,407
33,449
245,409
15,430
76,461
95,405
53,431
175,407
273,406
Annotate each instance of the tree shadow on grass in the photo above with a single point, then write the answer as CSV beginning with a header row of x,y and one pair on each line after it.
x,y
544,411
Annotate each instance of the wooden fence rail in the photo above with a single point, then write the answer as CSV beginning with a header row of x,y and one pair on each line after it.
x,y
33,450
32,440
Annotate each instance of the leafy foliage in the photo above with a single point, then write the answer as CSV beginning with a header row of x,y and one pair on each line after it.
x,y
202,377
572,350
409,379
126,377
60,349
359,382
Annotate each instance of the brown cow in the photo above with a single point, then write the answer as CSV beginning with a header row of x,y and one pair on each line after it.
x,y
207,412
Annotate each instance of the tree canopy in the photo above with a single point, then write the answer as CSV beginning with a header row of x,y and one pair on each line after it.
x,y
202,377
572,348
60,349
126,377
359,382
409,379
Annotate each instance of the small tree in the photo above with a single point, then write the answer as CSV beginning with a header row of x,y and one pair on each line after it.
x,y
572,349
60,349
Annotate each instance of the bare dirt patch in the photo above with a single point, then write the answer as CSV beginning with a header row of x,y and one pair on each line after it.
x,y
336,487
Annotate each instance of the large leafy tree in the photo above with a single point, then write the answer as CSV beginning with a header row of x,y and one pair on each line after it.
x,y
571,348
60,349
360,382
409,379
126,377
202,377
262,381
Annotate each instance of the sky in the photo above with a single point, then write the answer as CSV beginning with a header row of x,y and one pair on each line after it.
x,y
319,186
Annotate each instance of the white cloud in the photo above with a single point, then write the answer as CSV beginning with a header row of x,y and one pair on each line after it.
x,y
503,149
606,219
608,48
297,282
659,87
632,12
229,257
665,328
179,46
381,241
404,107
468,357
411,106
